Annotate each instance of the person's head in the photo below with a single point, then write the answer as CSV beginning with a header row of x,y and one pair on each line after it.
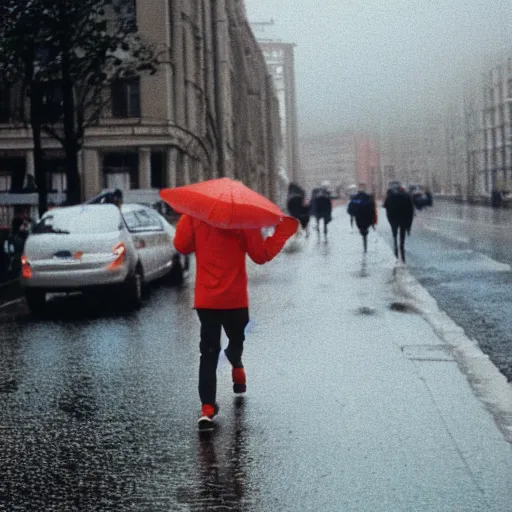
x,y
362,187
117,197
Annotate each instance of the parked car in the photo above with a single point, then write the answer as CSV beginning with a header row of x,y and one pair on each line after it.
x,y
88,247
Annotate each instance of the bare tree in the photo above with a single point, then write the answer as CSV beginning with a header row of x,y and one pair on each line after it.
x,y
21,31
79,50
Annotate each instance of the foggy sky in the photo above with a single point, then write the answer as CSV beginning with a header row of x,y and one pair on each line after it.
x,y
358,60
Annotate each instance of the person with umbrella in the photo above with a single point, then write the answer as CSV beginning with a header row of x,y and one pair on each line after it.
x,y
222,224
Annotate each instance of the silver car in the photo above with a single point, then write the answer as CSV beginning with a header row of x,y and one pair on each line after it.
x,y
81,248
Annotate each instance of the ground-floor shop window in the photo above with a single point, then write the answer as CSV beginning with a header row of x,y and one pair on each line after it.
x,y
5,182
121,170
119,180
157,169
12,170
55,168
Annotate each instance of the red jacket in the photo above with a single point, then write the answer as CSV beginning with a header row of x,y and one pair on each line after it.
x,y
221,276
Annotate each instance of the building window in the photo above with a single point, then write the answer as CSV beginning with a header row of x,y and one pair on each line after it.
x,y
52,102
126,97
5,181
55,170
5,104
121,170
58,182
129,11
13,170
157,170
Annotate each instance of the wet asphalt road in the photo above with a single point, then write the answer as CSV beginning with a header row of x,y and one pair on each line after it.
x,y
99,408
462,255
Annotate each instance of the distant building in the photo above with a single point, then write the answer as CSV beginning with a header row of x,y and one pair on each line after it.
x,y
328,157
280,63
497,127
417,153
368,165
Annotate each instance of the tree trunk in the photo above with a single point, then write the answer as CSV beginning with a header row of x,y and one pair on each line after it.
x,y
36,103
71,146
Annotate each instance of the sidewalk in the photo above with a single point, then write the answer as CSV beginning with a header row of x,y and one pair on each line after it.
x,y
381,399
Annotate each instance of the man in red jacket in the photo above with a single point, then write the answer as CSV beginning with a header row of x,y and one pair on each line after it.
x,y
221,297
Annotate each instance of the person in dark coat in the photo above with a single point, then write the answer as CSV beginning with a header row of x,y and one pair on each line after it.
x,y
363,208
399,207
16,244
321,208
352,217
299,210
297,206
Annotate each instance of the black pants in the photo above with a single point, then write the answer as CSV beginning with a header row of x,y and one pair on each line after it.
x,y
212,321
394,229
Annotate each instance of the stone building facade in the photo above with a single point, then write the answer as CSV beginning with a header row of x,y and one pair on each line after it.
x,y
209,111
497,127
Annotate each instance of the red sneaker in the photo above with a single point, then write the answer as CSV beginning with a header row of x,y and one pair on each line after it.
x,y
239,382
208,411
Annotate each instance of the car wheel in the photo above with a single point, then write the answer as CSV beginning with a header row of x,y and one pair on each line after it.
x,y
36,300
176,274
134,289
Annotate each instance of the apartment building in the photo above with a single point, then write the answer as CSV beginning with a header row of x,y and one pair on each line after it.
x,y
497,127
417,153
280,60
209,111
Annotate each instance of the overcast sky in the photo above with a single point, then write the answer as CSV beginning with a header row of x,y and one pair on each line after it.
x,y
356,59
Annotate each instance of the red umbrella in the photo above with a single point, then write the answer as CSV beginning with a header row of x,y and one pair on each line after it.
x,y
223,203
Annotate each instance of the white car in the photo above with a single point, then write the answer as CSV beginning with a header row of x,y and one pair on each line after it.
x,y
84,247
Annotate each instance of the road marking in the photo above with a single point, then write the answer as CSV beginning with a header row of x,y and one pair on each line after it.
x,y
468,221
10,303
446,235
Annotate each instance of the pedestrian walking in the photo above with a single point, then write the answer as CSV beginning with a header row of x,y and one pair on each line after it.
x,y
117,197
221,295
297,207
14,245
351,213
399,207
364,210
321,208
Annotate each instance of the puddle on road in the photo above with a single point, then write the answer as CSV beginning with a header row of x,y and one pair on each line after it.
x,y
366,311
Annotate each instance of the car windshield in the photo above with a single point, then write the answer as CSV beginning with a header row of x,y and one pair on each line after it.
x,y
84,220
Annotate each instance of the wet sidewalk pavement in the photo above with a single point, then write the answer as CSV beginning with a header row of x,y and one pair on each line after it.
x,y
353,392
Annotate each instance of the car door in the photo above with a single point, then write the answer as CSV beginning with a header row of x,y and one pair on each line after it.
x,y
140,241
150,231
164,243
